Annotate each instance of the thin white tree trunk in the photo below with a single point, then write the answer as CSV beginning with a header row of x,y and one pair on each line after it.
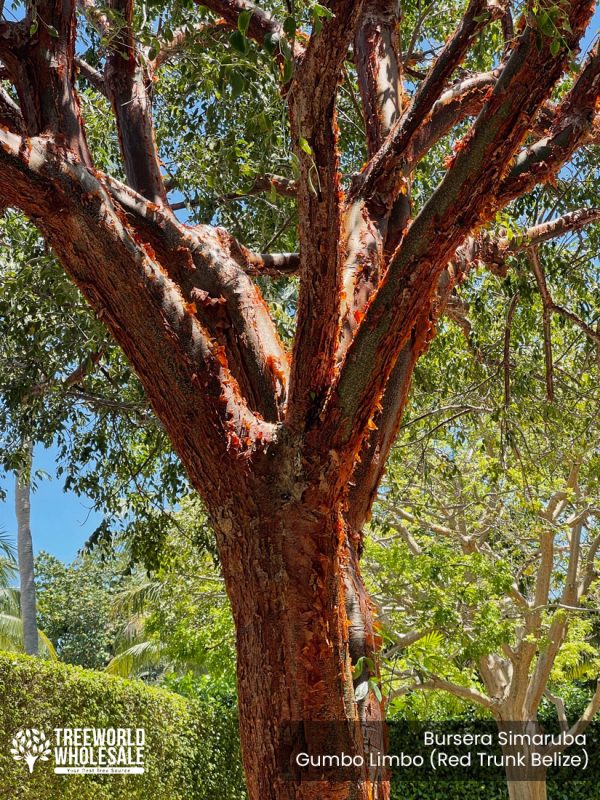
x,y
25,554
527,790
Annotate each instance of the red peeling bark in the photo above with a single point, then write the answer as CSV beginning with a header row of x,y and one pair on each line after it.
x,y
289,465
128,86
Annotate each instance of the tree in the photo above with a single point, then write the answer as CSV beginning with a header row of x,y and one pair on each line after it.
x,y
11,624
25,554
485,540
287,449
75,607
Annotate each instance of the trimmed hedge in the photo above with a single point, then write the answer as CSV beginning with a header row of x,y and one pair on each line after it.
x,y
192,745
191,752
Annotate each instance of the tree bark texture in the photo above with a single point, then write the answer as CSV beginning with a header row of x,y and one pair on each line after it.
x,y
300,626
527,790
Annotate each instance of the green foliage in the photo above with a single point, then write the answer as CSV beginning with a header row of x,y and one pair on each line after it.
x,y
179,619
74,603
191,752
460,516
110,448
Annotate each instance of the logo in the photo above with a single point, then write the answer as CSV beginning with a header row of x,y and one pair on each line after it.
x,y
30,744
83,751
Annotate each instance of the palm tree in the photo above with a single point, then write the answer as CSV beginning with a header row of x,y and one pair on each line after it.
x,y
138,655
11,626
25,551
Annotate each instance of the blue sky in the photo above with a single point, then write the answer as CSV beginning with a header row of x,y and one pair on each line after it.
x,y
60,521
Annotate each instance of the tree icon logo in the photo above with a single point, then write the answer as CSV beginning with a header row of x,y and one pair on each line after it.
x,y
30,744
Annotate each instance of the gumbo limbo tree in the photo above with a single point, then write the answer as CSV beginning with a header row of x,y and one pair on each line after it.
x,y
287,444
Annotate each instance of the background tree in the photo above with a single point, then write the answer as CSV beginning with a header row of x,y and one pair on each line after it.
x,y
287,452
11,623
75,606
25,553
484,555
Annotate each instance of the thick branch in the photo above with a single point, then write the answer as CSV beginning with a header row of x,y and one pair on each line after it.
x,y
463,99
314,130
128,85
377,178
42,69
435,683
184,372
463,197
378,208
92,75
379,69
492,251
573,124
205,263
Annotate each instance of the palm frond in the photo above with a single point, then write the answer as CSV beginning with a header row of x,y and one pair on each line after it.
x,y
137,658
8,559
131,632
135,599
10,600
11,637
7,548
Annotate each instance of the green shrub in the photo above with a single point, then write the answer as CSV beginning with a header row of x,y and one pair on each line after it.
x,y
191,749
192,743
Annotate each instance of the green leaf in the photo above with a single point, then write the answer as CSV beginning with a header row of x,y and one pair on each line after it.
x,y
555,47
52,31
264,123
358,668
321,11
285,49
374,686
34,27
295,164
237,83
289,26
239,42
288,71
244,22
304,145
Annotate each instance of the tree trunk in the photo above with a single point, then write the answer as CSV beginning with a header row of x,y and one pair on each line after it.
x,y
534,788
288,566
527,790
25,555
